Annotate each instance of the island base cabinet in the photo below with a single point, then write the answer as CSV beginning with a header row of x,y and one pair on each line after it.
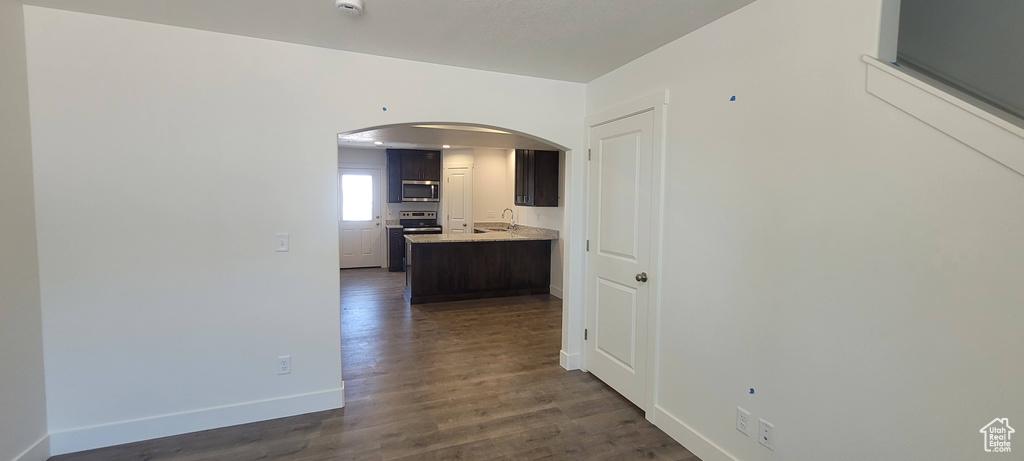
x,y
439,272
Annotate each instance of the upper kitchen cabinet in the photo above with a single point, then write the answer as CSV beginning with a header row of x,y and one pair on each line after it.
x,y
411,165
394,177
421,165
536,177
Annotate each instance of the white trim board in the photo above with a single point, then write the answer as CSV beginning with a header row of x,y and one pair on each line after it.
x,y
569,361
656,102
573,283
973,123
39,451
555,291
627,109
689,438
117,433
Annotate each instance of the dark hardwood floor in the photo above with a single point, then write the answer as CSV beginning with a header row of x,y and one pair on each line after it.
x,y
474,380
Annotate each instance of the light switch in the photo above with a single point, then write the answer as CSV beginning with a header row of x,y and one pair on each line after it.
x,y
282,242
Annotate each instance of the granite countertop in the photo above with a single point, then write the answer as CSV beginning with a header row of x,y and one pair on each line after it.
x,y
492,232
393,226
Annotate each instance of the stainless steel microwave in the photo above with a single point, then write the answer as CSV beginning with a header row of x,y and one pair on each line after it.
x,y
421,191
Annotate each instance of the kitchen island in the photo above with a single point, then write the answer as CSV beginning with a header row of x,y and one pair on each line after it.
x,y
490,264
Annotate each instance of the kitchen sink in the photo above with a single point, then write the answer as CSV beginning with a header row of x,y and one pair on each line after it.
x,y
484,229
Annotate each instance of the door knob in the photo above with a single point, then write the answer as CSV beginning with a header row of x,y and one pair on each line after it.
x,y
464,224
378,224
641,277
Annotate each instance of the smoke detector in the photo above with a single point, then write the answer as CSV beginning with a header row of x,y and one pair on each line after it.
x,y
350,7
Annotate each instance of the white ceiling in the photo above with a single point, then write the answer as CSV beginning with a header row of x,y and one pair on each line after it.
x,y
573,40
414,136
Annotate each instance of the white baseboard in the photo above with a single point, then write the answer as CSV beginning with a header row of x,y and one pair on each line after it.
x,y
555,291
106,435
689,438
39,451
569,361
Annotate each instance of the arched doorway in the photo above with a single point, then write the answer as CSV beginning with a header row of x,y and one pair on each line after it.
x,y
477,145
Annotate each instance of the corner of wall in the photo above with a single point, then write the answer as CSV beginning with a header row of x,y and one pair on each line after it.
x,y
39,451
23,418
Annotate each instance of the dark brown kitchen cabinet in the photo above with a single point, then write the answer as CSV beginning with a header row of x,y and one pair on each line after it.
x,y
536,178
411,165
421,165
441,272
396,249
394,177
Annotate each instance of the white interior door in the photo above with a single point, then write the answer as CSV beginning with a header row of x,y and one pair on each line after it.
x,y
360,227
619,256
458,192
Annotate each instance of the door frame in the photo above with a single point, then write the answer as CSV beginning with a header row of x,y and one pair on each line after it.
x,y
382,206
656,102
443,207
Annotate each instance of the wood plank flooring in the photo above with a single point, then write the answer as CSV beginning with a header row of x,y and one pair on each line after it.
x,y
473,380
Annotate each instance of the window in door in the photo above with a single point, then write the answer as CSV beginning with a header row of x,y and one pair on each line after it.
x,y
356,197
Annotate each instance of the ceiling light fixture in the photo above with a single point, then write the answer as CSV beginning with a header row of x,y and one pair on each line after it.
x,y
378,143
349,7
446,146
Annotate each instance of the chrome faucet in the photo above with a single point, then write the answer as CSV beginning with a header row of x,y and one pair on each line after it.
x,y
512,218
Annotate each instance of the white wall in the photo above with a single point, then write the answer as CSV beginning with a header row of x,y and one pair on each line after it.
x,y
857,268
462,156
22,398
362,156
491,193
163,170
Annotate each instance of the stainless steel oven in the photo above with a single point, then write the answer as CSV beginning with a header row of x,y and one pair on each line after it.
x,y
416,223
421,191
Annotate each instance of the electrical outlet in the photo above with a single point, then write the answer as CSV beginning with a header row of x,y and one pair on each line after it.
x,y
282,242
766,434
284,365
743,421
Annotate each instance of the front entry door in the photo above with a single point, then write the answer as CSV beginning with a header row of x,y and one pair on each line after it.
x,y
360,227
619,256
458,192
